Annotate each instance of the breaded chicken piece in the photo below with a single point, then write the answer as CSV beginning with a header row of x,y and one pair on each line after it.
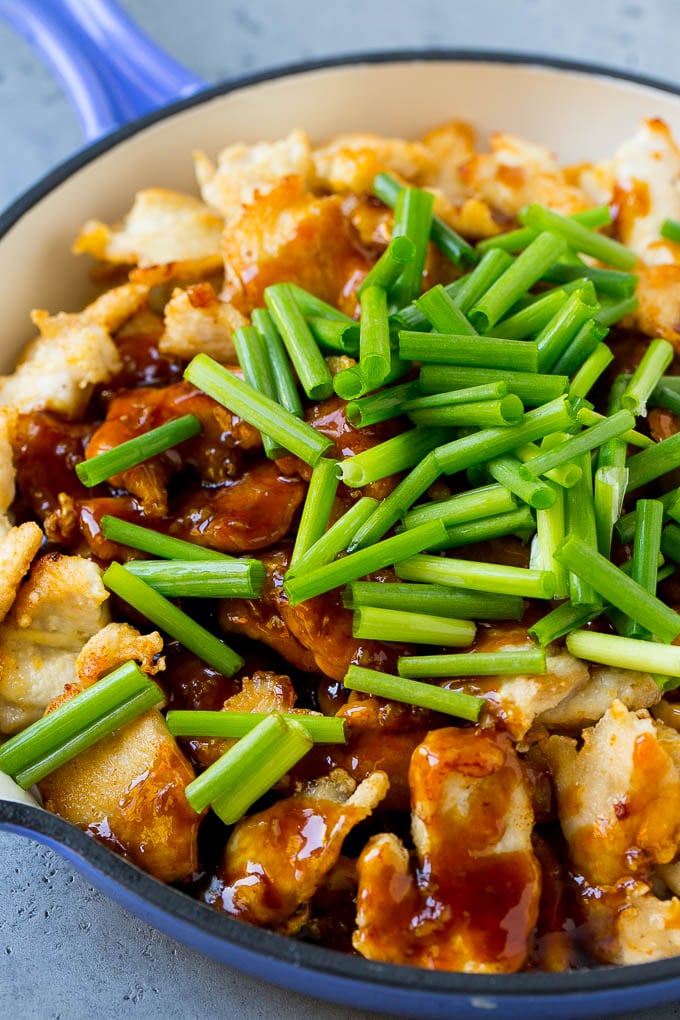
x,y
57,609
245,171
658,293
128,790
471,901
115,644
8,417
296,842
165,235
17,550
351,162
197,322
589,703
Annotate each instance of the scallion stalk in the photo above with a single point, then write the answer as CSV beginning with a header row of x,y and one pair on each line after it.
x,y
580,238
411,692
153,542
338,537
302,348
625,653
135,451
532,389
561,621
207,579
381,406
473,352
590,371
286,387
434,598
323,729
316,511
397,454
645,565
495,577
647,375
253,358
443,312
385,272
516,240
520,661
376,624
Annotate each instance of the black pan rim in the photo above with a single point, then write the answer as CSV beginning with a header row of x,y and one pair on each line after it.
x,y
171,902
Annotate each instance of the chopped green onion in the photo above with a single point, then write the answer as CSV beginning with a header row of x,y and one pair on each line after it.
x,y
654,363
560,332
579,237
587,416
389,267
625,653
521,661
665,396
396,454
565,476
376,624
394,506
476,283
207,579
377,407
411,692
350,383
611,311
253,358
249,768
364,561
495,577
412,219
136,451
334,336
531,320
338,537
482,446
580,508
607,281
658,460
465,506
585,343
645,566
316,511
670,230
323,729
172,620
516,522
551,522
609,490
464,395
374,338
507,410
302,348
434,598
286,387
507,471
311,305
533,390
472,351
266,415
443,312
590,371
516,240
150,541
618,589
670,542
525,271
627,525
561,621
574,446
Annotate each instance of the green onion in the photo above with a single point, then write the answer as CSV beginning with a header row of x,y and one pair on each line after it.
x,y
464,395
286,387
64,727
579,237
670,542
389,267
394,506
387,189
323,729
508,410
532,319
559,333
525,271
607,281
476,283
658,460
574,446
335,337
612,311
472,351
482,446
581,522
411,692
590,371
551,525
463,507
311,305
626,526
412,219
646,549
253,358
561,621
350,383
365,561
338,537
531,389
625,653
516,240
434,598
249,768
267,416
670,230
654,363
172,620
302,348
371,623
565,476
516,522
396,454
150,541
495,577
443,313
316,511
609,490
587,416
136,451
585,343
207,579
374,338
621,591
521,661
507,471
665,396
377,407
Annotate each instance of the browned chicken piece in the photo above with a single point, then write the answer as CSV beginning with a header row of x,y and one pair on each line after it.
x,y
197,322
296,843
658,293
590,702
253,512
128,791
17,550
287,235
115,644
349,163
471,902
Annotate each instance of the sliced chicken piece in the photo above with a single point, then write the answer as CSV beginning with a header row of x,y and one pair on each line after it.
x,y
351,162
658,293
590,702
165,235
295,843
18,548
115,644
471,901
197,322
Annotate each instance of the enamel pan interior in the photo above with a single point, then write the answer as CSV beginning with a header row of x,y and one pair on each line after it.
x,y
580,114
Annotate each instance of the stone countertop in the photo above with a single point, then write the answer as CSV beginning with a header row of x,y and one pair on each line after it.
x,y
66,951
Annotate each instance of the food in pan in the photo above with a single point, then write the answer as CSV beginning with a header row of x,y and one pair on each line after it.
x,y
339,546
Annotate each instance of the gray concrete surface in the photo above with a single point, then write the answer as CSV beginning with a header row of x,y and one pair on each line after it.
x,y
66,952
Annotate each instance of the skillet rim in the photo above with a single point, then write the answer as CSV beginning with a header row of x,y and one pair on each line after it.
x,y
133,887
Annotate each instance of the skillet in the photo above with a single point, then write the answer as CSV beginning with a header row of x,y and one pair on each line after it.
x,y
143,114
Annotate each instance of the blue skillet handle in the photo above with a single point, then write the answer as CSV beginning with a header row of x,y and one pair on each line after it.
x,y
111,71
